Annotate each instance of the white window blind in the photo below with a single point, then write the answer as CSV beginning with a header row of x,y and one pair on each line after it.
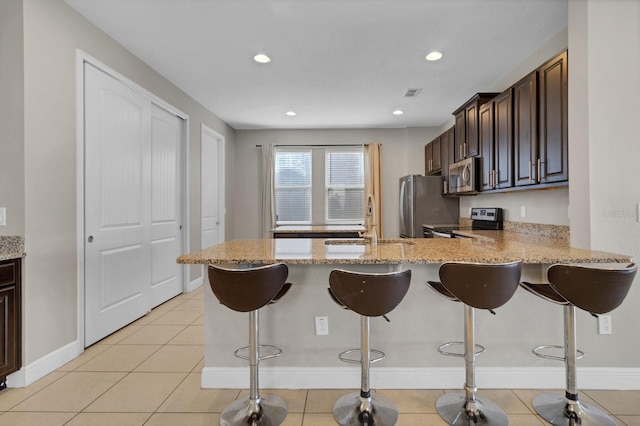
x,y
293,186
344,186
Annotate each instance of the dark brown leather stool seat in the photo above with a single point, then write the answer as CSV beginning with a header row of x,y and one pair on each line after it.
x,y
477,286
248,290
597,290
370,295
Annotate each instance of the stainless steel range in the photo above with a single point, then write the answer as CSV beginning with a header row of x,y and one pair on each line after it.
x,y
488,218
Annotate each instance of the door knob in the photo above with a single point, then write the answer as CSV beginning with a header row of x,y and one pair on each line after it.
x,y
90,239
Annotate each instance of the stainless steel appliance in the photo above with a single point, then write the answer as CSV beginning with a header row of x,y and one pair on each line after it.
x,y
487,218
463,176
421,202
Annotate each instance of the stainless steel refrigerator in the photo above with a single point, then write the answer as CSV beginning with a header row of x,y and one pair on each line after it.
x,y
421,202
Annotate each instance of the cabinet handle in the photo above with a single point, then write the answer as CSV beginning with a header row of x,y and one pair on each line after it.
x,y
530,172
460,151
539,170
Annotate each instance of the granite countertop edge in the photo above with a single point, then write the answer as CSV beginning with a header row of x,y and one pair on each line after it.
x,y
484,247
11,247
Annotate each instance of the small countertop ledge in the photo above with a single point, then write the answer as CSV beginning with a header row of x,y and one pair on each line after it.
x,y
11,247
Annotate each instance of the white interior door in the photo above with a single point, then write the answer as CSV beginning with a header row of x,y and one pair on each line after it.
x,y
133,184
211,186
166,223
117,205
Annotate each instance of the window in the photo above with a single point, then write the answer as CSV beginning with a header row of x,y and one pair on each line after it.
x,y
308,193
344,186
293,186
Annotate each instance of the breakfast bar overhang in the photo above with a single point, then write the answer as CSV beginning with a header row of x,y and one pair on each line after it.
x,y
421,322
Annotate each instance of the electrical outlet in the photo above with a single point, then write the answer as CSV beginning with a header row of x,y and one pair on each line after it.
x,y
3,216
604,324
322,326
523,211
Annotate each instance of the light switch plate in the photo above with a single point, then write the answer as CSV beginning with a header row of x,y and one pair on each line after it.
x,y
3,216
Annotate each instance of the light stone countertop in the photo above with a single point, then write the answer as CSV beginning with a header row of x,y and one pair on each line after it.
x,y
318,228
11,247
485,246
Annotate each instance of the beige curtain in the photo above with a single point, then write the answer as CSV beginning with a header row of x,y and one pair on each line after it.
x,y
372,181
268,197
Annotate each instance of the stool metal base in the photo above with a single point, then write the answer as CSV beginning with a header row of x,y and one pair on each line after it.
x,y
455,409
272,412
557,410
351,410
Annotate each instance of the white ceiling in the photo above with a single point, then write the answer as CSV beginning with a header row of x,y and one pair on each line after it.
x,y
337,63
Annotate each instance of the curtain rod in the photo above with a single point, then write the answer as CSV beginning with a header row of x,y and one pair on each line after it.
x,y
304,146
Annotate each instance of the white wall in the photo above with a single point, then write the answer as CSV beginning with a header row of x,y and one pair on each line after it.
x,y
52,33
607,40
11,117
402,154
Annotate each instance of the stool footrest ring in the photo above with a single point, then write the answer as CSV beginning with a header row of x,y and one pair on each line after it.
x,y
270,352
376,356
538,351
441,349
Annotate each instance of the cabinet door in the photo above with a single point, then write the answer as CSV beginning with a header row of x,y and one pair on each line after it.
x,y
525,124
486,147
435,147
553,144
471,146
447,147
8,331
503,140
460,136
428,158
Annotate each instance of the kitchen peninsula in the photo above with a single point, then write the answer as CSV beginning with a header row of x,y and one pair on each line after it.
x,y
421,322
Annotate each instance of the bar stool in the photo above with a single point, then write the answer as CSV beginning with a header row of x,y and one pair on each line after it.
x,y
481,286
592,289
370,295
248,290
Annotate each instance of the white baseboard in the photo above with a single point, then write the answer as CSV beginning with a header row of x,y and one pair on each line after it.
x,y
45,365
194,284
420,378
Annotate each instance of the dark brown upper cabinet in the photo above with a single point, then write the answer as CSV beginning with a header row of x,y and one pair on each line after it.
x,y
467,119
447,147
540,124
432,162
496,142
553,113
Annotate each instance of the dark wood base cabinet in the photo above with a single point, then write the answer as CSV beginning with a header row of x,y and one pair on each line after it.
x,y
10,318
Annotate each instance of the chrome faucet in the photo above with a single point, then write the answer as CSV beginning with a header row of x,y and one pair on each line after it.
x,y
370,235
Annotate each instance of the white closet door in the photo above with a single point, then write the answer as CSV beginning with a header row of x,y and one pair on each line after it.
x,y
117,205
166,244
209,188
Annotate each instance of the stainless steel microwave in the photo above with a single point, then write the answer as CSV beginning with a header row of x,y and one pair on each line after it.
x,y
463,176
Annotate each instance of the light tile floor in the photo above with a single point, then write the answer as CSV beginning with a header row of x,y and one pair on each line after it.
x,y
148,374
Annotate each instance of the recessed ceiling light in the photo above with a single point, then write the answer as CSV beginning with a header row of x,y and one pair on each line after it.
x,y
398,112
262,58
291,113
434,56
